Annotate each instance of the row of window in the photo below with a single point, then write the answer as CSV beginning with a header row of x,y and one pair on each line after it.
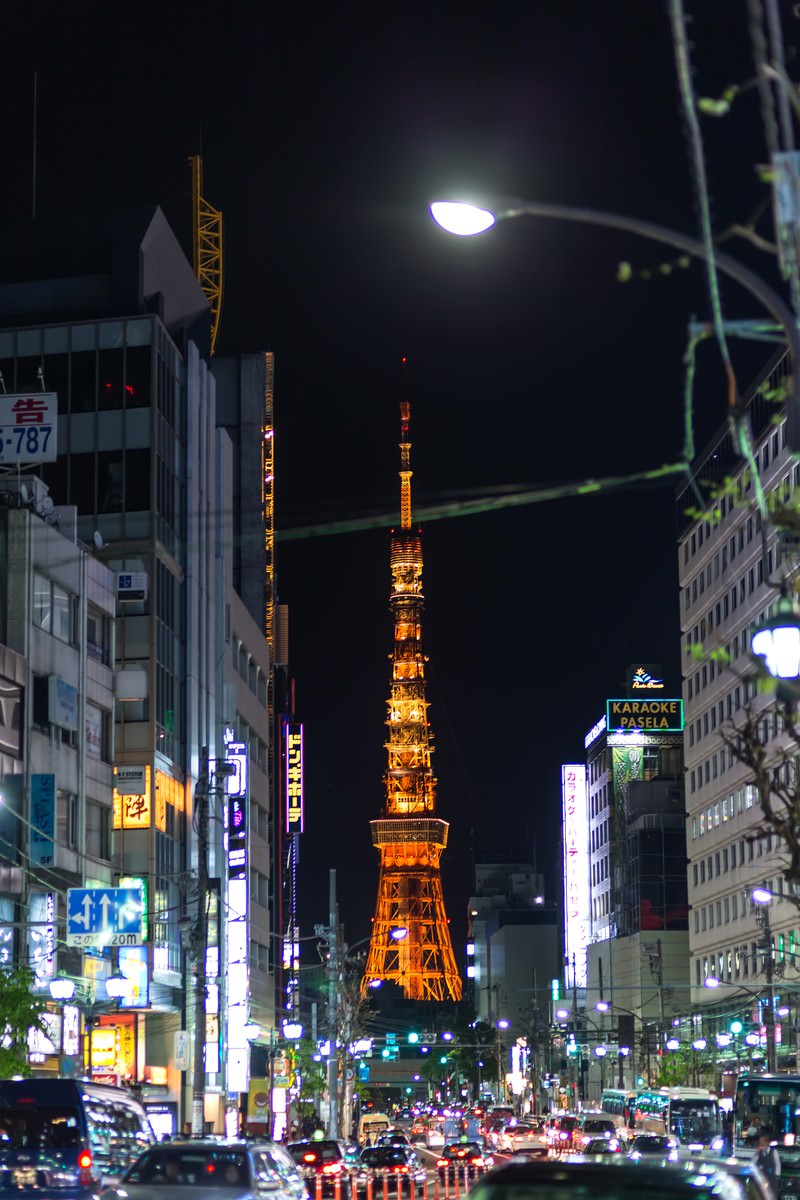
x,y
723,810
706,577
766,454
719,762
248,669
722,911
747,959
600,870
600,835
259,888
598,800
259,821
259,956
602,905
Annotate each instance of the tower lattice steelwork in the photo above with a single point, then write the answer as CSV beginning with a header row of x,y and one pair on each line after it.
x,y
409,836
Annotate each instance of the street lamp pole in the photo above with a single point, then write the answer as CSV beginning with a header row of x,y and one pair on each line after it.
x,y
453,216
762,898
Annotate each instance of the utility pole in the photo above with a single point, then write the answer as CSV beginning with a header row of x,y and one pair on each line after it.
x,y
333,972
200,947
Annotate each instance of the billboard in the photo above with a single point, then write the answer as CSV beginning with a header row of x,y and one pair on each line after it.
x,y
294,778
651,716
28,428
576,869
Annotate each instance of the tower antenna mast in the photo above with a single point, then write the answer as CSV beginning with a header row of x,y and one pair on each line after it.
x,y
410,943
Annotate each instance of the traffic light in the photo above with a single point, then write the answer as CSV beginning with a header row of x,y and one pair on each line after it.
x,y
413,1038
640,1081
736,1027
443,1059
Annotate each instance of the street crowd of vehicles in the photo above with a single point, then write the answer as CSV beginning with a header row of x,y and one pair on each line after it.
x,y
73,1140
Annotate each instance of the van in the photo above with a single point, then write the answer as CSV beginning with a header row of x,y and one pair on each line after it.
x,y
371,1126
65,1138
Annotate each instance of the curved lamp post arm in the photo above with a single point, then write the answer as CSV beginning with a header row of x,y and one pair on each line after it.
x,y
749,280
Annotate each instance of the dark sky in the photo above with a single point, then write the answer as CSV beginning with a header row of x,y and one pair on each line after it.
x,y
325,130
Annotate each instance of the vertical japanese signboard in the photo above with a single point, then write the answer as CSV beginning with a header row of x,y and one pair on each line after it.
x,y
294,778
576,869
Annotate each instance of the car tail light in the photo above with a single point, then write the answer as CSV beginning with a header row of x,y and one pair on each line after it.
x,y
441,1162
478,1162
563,1136
85,1160
309,1158
332,1169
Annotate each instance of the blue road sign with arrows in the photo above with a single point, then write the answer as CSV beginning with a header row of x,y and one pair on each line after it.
x,y
98,917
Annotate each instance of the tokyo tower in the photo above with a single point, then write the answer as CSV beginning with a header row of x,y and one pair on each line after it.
x,y
410,943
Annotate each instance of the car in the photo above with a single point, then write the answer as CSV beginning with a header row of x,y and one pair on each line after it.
x,y
745,1170
461,1160
394,1138
397,1164
594,1125
434,1135
525,1135
660,1145
69,1135
326,1166
561,1133
206,1169
613,1177
593,1146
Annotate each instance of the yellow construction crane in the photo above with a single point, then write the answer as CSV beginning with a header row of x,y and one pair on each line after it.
x,y
206,246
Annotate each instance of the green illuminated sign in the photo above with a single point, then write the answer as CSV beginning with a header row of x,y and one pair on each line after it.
x,y
644,716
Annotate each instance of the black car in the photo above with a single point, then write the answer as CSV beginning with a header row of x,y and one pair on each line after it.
x,y
398,1164
462,1160
206,1169
661,1145
325,1165
613,1178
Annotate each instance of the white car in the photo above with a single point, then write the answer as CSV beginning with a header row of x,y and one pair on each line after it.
x,y
211,1170
526,1135
434,1137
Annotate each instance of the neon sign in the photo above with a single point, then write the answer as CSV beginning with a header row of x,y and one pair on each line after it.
x,y
657,716
576,868
294,778
642,679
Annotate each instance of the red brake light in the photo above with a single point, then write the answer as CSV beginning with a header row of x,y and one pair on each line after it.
x,y
309,1158
441,1162
331,1168
84,1160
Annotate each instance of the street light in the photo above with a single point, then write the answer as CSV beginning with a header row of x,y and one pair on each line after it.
x,y
466,219
777,642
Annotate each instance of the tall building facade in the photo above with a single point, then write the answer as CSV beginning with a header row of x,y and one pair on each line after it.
x,y
410,943
637,919
107,313
729,567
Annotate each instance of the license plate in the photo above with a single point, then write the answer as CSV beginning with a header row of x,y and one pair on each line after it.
x,y
24,1176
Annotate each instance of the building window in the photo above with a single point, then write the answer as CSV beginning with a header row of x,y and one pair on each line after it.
x,y
98,830
98,636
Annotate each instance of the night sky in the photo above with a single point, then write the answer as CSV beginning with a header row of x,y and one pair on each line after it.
x,y
325,130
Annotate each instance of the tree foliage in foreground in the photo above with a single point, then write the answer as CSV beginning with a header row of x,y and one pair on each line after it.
x,y
20,1011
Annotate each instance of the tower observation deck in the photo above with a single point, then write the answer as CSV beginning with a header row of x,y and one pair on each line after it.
x,y
409,835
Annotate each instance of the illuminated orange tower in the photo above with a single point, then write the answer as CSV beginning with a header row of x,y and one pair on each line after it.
x,y
409,836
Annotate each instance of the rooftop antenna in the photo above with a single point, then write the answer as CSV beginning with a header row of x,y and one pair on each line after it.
x,y
35,135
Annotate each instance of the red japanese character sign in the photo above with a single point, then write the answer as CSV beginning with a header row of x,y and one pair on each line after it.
x,y
28,427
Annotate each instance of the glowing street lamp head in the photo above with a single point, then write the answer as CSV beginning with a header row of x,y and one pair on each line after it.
x,y
460,218
602,1006
398,934
761,895
711,981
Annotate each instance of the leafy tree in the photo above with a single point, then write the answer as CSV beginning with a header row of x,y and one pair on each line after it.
x,y
20,1011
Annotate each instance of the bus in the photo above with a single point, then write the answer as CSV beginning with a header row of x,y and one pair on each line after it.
x,y
769,1104
619,1103
689,1114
